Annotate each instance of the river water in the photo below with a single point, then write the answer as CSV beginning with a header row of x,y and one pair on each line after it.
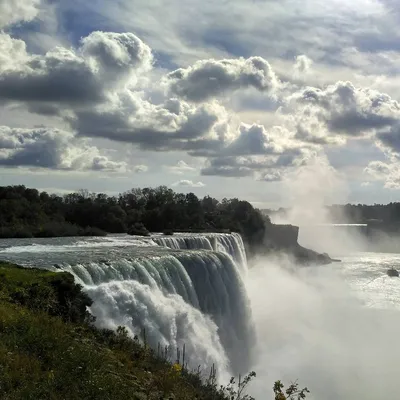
x,y
334,328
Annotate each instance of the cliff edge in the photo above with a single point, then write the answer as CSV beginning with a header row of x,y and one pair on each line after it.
x,y
284,239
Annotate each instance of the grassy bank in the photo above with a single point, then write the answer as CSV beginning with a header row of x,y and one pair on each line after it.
x,y
49,349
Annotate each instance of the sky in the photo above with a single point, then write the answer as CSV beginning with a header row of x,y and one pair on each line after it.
x,y
229,98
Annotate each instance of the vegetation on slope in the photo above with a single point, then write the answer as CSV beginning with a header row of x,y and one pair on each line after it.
x,y
50,350
44,291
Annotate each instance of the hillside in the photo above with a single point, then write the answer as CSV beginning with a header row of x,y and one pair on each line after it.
x,y
48,349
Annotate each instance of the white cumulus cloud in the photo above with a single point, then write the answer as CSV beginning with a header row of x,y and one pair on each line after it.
x,y
53,149
181,167
213,78
187,183
15,11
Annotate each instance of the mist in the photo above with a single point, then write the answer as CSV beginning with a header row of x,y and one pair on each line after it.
x,y
315,325
307,191
312,328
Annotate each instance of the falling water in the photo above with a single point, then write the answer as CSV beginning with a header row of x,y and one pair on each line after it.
x,y
231,244
188,290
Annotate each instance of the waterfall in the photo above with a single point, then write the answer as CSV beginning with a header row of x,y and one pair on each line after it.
x,y
185,289
192,297
167,319
185,242
231,244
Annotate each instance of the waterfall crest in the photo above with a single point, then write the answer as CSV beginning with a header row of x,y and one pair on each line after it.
x,y
231,244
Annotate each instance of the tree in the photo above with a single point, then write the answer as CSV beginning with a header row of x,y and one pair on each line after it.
x,y
26,212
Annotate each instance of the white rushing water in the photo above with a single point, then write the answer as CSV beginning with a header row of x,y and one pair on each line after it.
x,y
231,244
139,293
187,289
333,328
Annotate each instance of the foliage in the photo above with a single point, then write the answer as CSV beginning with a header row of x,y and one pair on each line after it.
x,y
28,213
41,290
236,391
49,229
291,393
138,229
388,214
362,213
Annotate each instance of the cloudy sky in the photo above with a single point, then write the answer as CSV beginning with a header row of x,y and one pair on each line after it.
x,y
229,98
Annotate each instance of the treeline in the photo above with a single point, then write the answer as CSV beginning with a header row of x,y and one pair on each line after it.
x,y
362,213
354,213
27,212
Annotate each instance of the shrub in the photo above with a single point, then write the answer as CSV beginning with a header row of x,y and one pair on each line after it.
x,y
18,232
291,393
92,231
138,229
57,229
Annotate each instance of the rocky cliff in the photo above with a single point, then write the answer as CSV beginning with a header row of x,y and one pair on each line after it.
x,y
283,239
281,236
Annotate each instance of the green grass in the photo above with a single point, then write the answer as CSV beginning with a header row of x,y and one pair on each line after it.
x,y
41,290
49,351
24,276
44,358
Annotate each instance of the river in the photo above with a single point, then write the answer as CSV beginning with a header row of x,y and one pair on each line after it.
x,y
333,327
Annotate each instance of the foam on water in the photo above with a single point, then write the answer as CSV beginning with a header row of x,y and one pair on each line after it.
x,y
167,319
205,282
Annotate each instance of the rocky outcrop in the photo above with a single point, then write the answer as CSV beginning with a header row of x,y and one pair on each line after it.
x,y
306,256
283,239
281,236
